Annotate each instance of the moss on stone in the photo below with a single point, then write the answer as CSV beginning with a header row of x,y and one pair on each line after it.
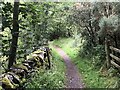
x,y
38,51
7,83
21,66
1,88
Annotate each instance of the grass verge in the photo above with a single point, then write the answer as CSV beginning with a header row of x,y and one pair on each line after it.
x,y
91,76
49,79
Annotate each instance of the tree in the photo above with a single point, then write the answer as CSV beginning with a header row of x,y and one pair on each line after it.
x,y
15,33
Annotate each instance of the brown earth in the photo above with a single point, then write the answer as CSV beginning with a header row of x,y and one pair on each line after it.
x,y
73,78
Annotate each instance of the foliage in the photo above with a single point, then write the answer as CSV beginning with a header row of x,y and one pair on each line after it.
x,y
6,37
18,73
42,21
89,71
6,15
97,53
50,79
95,22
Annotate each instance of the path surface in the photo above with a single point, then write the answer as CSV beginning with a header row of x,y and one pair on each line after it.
x,y
73,77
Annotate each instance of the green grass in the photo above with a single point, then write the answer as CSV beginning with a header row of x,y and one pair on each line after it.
x,y
91,76
49,79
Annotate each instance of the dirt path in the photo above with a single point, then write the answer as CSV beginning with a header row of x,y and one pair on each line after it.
x,y
73,77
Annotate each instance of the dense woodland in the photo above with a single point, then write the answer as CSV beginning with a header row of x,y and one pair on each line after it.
x,y
27,27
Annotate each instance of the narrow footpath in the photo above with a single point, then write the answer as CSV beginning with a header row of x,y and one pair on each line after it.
x,y
73,78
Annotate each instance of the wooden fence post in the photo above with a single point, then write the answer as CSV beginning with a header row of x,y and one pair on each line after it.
x,y
47,51
107,50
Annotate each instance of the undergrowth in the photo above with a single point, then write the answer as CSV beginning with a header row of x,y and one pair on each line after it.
x,y
92,77
49,79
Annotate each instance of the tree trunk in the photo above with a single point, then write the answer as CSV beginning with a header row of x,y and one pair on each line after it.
x,y
15,33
